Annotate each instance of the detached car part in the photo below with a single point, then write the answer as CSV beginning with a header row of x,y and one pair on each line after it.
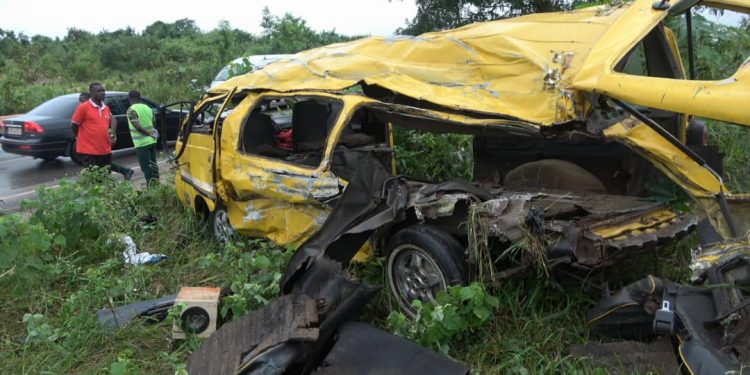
x,y
710,323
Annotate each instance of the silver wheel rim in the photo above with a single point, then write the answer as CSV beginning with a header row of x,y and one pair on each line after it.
x,y
414,274
222,229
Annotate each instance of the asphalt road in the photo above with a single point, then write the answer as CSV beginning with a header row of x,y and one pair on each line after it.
x,y
21,175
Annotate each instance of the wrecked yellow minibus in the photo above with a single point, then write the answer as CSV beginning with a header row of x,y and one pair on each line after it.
x,y
570,113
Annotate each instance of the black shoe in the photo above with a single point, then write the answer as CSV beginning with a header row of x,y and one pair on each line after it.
x,y
129,174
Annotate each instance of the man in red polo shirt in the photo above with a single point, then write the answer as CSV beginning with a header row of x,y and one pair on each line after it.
x,y
96,131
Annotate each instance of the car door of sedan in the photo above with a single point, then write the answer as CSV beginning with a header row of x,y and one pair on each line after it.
x,y
116,106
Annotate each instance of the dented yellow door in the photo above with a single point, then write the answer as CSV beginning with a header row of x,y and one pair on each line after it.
x,y
271,198
194,178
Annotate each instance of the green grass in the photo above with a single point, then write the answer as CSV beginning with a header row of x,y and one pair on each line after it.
x,y
76,282
68,278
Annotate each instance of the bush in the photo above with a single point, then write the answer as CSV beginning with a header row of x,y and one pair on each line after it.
x,y
434,157
25,249
81,211
457,314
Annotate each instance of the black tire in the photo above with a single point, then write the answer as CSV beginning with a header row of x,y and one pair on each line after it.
x,y
74,156
423,260
221,228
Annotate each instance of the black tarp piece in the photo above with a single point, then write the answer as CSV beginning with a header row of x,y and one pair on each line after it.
x,y
263,342
155,310
288,318
711,332
365,350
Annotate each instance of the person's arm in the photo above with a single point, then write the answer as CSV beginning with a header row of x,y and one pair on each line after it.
x,y
133,117
113,129
75,122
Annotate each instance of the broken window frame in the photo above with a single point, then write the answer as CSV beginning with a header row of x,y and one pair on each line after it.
x,y
324,162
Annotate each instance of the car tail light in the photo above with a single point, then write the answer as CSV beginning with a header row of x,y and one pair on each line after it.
x,y
2,126
32,127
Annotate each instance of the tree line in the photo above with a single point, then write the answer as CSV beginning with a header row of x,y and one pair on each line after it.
x,y
166,61
174,61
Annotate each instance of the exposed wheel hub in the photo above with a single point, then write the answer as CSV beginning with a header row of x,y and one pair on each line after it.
x,y
222,228
416,275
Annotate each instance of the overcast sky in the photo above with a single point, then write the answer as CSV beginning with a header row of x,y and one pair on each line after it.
x,y
353,17
53,17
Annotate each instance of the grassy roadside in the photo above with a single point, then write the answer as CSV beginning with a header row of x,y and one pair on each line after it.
x,y
63,263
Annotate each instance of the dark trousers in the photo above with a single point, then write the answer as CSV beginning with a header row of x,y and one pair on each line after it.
x,y
147,159
103,161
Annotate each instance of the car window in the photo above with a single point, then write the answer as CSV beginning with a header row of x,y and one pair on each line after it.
x,y
651,57
124,103
203,120
114,106
149,103
223,74
635,62
62,107
290,129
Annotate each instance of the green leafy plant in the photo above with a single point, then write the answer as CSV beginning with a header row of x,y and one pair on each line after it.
x,y
124,365
434,157
668,192
38,330
25,249
260,265
75,210
457,313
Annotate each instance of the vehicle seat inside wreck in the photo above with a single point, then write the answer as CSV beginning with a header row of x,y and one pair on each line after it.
x,y
268,132
259,135
363,134
553,174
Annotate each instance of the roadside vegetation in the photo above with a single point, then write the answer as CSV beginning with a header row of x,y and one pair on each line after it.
x,y
61,261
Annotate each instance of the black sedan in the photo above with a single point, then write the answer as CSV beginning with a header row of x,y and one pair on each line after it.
x,y
44,132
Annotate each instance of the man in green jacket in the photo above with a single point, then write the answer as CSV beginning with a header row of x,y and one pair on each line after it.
x,y
141,122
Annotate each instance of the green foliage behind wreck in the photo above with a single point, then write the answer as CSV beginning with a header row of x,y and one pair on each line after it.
x,y
160,61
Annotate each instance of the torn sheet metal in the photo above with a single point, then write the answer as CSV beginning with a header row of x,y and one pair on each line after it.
x,y
706,257
374,200
593,229
699,181
522,67
696,179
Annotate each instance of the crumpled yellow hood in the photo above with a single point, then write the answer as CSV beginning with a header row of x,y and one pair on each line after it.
x,y
520,67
